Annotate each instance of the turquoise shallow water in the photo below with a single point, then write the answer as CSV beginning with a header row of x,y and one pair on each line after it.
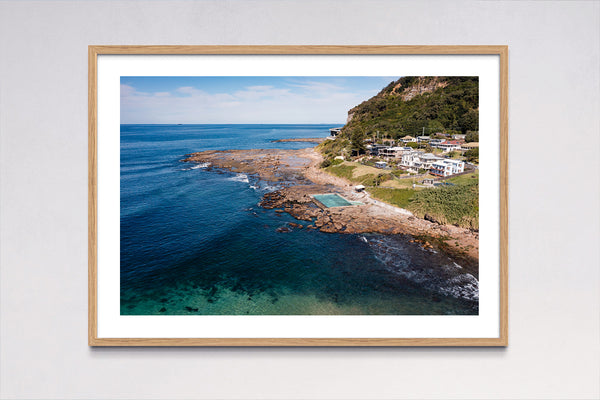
x,y
194,241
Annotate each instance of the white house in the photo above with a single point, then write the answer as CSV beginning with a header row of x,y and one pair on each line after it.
x,y
408,139
422,139
447,167
395,152
436,142
380,164
426,161
418,160
450,145
408,158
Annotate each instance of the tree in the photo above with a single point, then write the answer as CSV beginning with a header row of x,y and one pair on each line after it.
x,y
412,145
357,141
469,121
435,126
472,154
472,136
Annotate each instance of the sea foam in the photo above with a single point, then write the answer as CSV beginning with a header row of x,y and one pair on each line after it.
x,y
201,165
197,166
240,178
447,277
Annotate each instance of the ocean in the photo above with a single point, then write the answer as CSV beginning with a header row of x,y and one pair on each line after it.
x,y
195,242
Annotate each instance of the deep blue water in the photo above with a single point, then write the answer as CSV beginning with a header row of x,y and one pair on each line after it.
x,y
194,241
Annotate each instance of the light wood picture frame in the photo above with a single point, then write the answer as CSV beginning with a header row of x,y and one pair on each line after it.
x,y
97,248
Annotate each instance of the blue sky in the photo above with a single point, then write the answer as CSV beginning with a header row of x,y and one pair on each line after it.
x,y
244,100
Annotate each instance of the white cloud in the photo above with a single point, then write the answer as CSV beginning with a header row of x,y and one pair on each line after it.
x,y
188,90
312,102
127,90
317,87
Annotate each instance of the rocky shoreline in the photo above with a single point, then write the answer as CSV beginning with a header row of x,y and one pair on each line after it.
x,y
298,172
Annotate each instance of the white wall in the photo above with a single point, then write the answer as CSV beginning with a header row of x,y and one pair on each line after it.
x,y
554,347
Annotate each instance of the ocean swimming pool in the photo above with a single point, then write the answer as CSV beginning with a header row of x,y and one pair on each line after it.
x,y
334,200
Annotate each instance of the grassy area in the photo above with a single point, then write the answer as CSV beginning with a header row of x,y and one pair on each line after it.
x,y
367,170
400,183
367,180
457,205
358,173
368,176
397,197
465,179
344,170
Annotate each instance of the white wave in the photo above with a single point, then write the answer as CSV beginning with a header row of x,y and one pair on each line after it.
x,y
463,285
196,166
201,165
240,178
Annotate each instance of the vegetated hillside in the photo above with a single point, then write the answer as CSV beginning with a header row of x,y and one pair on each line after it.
x,y
406,106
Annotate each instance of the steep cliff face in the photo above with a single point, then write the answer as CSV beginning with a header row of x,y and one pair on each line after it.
x,y
350,115
412,104
420,86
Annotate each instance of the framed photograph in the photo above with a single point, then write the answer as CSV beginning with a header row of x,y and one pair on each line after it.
x,y
298,195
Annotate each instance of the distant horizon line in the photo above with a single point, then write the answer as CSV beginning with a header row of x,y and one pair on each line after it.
x,y
270,123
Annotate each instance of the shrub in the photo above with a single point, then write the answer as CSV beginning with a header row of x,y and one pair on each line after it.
x,y
325,163
472,154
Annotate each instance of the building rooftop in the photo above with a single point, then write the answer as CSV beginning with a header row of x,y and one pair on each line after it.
x,y
454,142
451,161
430,156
